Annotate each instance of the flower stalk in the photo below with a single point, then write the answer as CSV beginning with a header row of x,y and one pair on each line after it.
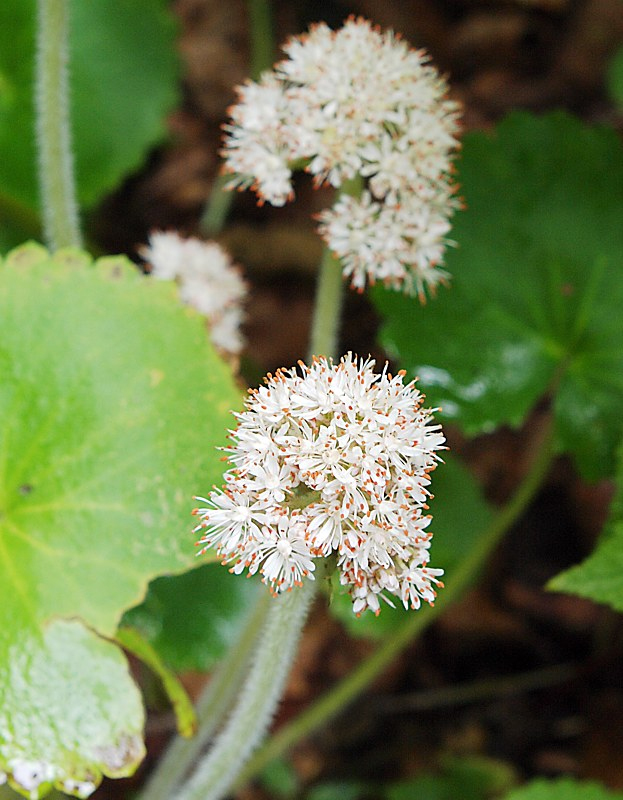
x,y
56,169
215,702
328,306
257,701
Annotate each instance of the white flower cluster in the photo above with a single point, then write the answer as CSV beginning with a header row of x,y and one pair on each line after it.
x,y
331,460
207,279
356,103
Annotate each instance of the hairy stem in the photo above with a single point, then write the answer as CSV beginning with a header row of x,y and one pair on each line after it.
x,y
216,700
56,174
257,700
342,694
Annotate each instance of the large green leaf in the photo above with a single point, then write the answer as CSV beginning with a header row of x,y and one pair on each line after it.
x,y
123,77
536,292
460,518
563,789
600,576
112,402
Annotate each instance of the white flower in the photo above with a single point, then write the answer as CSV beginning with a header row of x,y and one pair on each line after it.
x,y
207,280
257,146
330,460
400,244
348,103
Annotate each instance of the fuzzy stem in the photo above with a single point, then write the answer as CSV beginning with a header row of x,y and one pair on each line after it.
x,y
334,700
217,698
257,701
56,176
328,305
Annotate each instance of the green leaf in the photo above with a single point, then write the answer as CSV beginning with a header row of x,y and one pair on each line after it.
x,y
536,288
112,402
600,576
123,80
191,620
460,517
563,789
70,710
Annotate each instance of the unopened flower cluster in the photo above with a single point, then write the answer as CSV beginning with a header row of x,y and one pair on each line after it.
x,y
356,104
207,279
330,461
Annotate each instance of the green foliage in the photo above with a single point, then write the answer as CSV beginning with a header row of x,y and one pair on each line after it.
x,y
563,789
536,289
112,402
123,80
192,619
600,576
460,516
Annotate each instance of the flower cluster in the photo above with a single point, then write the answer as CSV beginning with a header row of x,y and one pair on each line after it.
x,y
207,279
330,460
356,104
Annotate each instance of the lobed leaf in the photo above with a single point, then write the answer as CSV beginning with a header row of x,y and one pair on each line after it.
x,y
600,576
536,289
112,402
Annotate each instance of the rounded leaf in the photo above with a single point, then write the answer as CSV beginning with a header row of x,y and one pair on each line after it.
x,y
536,289
112,404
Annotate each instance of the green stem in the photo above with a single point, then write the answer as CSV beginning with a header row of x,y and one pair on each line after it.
x,y
257,699
56,176
217,208
262,56
328,305
215,701
342,694
262,40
